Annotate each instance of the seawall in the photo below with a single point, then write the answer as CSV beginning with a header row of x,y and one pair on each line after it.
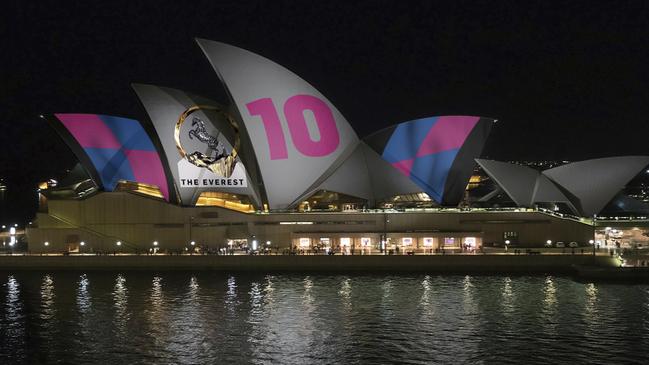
x,y
487,264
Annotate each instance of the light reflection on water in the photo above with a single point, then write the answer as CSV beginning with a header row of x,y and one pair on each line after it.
x,y
47,300
194,318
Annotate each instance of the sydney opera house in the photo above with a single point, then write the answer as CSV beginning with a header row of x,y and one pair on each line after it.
x,y
279,167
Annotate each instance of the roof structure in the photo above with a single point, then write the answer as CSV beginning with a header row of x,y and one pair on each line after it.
x,y
586,186
281,141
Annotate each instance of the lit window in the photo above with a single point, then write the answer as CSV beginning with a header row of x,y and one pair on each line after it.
x,y
305,242
449,241
406,241
366,241
345,241
428,241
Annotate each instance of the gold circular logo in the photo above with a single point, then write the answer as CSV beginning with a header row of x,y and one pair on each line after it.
x,y
222,163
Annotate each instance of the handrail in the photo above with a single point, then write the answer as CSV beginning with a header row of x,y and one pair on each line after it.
x,y
92,231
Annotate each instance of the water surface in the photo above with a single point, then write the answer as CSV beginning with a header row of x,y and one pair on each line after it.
x,y
204,317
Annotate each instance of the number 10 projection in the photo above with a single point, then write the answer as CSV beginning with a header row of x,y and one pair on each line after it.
x,y
295,109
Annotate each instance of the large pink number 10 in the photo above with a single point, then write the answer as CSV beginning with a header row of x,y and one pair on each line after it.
x,y
294,109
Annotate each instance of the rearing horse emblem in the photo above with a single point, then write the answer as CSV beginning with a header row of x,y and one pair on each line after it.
x,y
221,163
199,132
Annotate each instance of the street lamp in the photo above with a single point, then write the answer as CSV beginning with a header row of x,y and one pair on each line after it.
x,y
118,243
592,242
548,242
192,243
155,243
82,243
506,244
46,243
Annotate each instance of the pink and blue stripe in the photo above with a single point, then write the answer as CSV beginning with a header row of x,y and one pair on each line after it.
x,y
425,149
119,148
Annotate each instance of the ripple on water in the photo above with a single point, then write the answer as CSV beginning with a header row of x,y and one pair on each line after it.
x,y
190,318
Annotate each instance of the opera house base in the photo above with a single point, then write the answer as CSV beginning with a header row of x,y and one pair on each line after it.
x,y
451,264
98,223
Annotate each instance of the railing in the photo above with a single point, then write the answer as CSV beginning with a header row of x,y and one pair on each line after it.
x,y
95,232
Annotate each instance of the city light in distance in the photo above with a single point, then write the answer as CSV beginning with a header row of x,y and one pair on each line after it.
x,y
119,243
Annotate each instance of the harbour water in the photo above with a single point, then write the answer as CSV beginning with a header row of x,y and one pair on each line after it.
x,y
134,317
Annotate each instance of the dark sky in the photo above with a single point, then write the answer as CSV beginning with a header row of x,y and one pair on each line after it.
x,y
566,80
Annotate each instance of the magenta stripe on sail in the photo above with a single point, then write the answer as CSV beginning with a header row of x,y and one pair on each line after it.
x,y
449,132
147,168
89,130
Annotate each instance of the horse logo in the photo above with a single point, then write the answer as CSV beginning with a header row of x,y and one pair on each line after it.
x,y
217,160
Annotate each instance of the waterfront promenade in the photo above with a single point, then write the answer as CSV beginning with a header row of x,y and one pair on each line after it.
x,y
455,263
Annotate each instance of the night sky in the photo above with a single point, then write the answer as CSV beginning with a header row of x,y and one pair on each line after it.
x,y
566,80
